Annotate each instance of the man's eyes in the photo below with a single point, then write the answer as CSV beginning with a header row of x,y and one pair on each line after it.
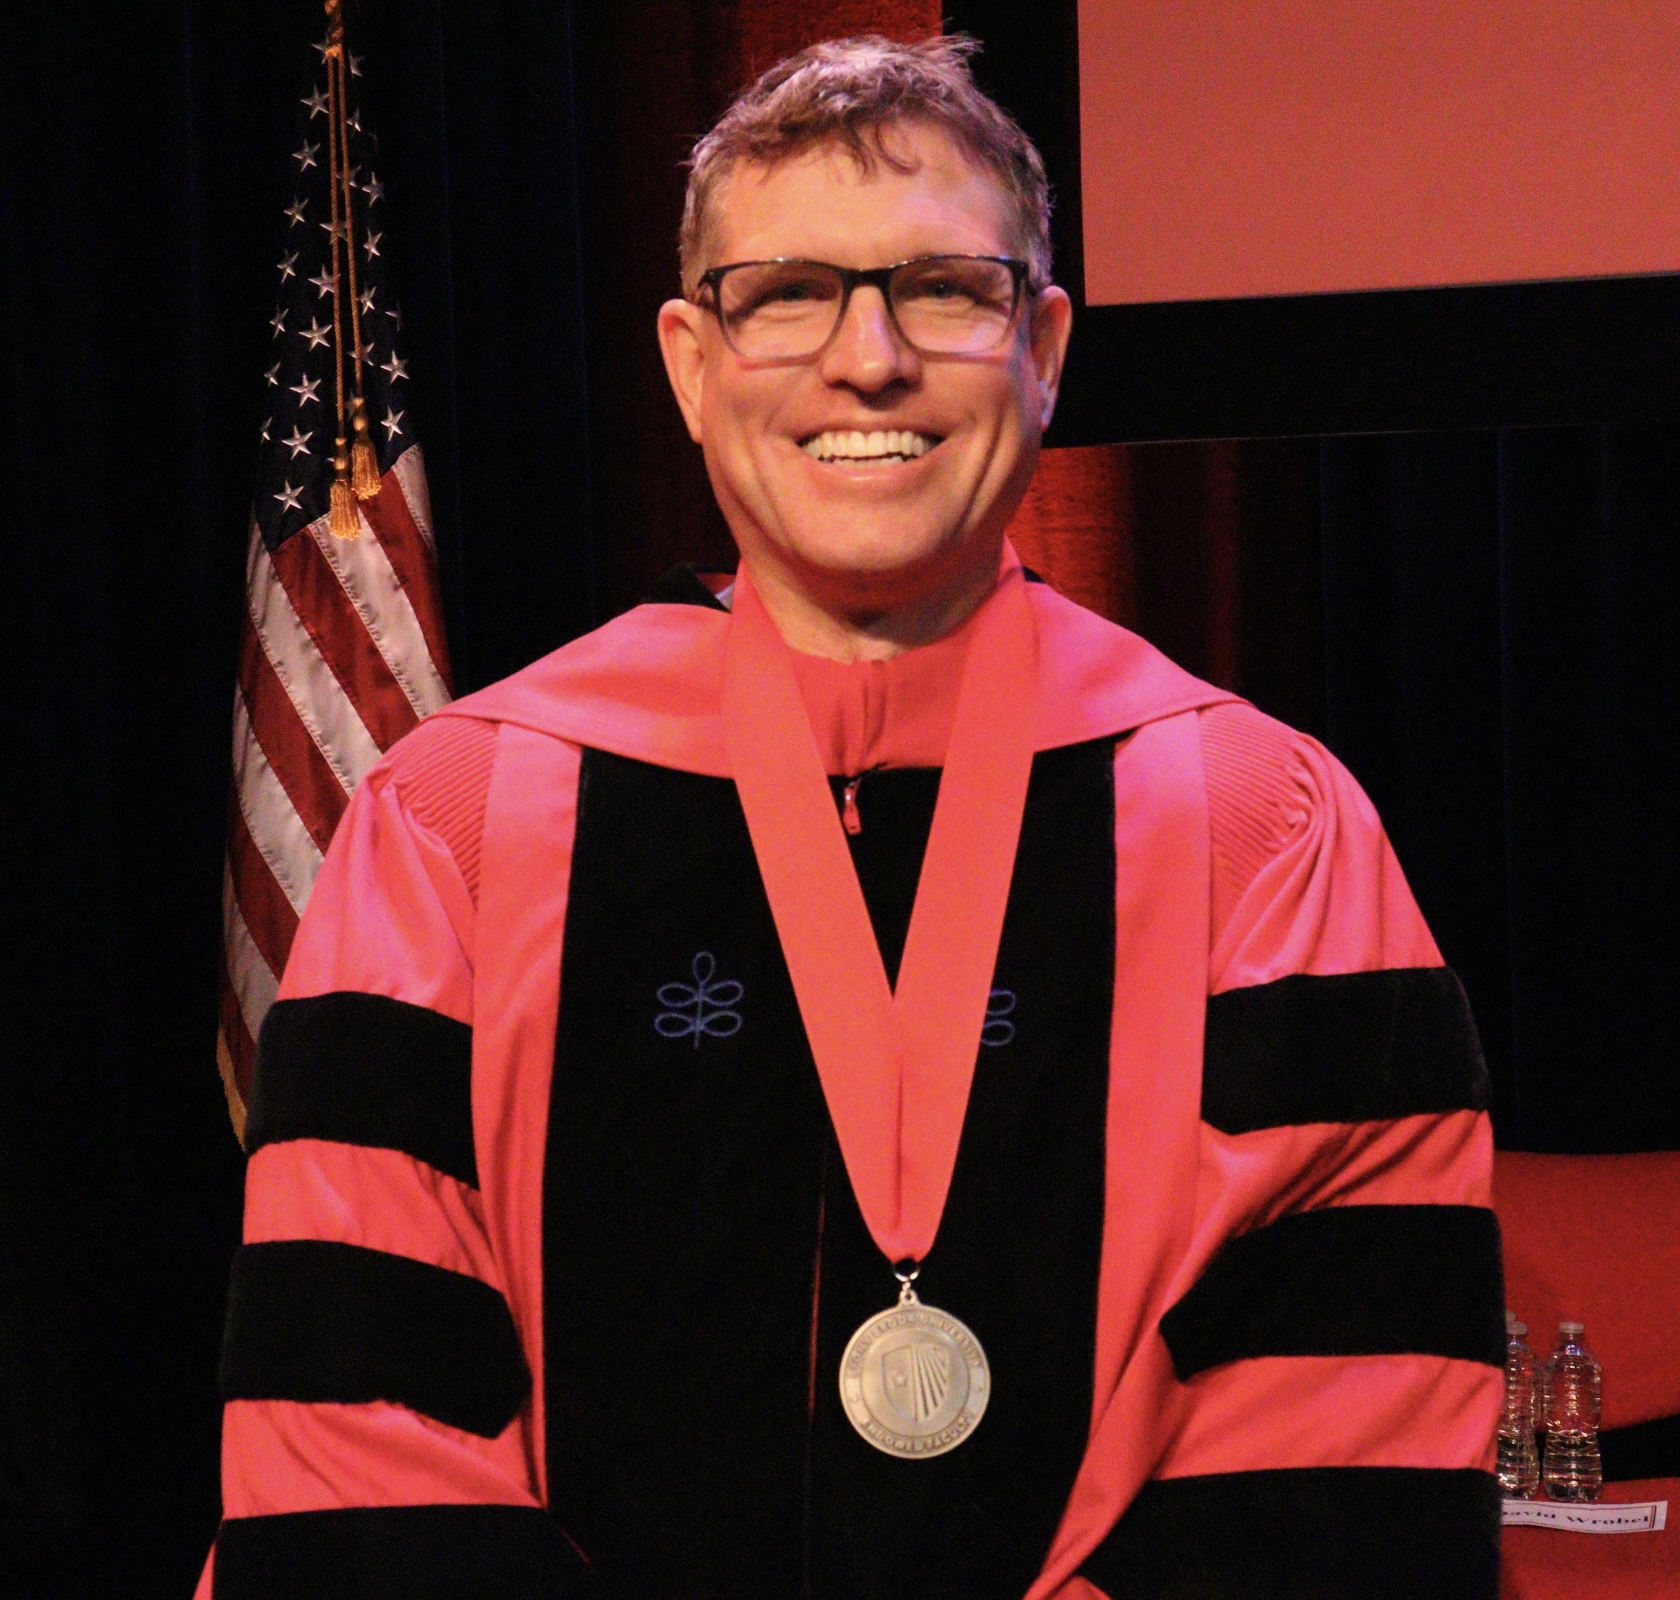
x,y
786,293
800,291
950,292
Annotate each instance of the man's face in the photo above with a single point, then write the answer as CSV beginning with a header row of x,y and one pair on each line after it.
x,y
867,533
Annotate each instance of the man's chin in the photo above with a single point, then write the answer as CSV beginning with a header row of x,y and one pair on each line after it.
x,y
856,552
876,565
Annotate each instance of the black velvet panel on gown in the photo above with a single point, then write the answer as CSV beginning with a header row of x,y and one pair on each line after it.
x,y
705,1258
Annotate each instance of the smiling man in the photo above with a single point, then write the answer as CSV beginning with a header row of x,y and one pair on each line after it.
x,y
860,1079
868,433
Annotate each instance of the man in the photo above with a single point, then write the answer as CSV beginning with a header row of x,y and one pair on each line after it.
x,y
871,1082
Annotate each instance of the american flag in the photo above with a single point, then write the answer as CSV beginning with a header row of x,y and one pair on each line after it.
x,y
342,647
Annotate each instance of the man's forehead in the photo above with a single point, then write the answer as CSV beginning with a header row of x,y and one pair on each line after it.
x,y
918,183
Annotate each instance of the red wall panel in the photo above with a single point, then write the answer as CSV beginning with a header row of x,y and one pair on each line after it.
x,y
1262,147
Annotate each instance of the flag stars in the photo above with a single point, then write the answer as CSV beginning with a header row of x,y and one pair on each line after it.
x,y
333,230
273,376
395,368
371,244
296,210
392,424
354,120
266,436
395,314
305,157
290,497
324,285
297,442
317,104
306,391
366,298
356,72
287,265
373,188
315,333
278,322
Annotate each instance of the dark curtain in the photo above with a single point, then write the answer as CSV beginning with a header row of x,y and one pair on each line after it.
x,y
1503,675
1481,626
129,354
144,156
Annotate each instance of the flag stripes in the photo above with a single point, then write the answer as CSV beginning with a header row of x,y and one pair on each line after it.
x,y
269,915
371,585
302,652
310,785
236,1050
401,520
267,813
323,610
336,664
254,980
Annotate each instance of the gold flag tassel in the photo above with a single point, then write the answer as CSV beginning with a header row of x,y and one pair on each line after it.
x,y
342,522
364,475
342,519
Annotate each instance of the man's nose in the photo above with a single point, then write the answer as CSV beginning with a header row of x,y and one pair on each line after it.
x,y
867,351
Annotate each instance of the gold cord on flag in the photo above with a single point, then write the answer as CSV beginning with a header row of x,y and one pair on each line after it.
x,y
364,463
355,466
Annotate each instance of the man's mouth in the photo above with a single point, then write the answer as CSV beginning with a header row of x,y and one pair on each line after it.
x,y
869,449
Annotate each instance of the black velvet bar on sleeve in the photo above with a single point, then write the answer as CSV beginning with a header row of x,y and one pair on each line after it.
x,y
1352,1047
365,1069
1312,1533
315,1321
1348,1281
448,1552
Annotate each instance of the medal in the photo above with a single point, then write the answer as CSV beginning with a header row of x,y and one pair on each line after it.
x,y
914,1380
895,1065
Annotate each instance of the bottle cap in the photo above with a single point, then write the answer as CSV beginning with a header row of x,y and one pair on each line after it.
x,y
1572,1330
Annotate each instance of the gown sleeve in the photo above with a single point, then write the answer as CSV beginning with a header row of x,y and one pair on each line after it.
x,y
1338,1345
377,1434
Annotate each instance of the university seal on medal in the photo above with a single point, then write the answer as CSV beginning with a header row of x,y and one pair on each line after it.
x,y
914,1380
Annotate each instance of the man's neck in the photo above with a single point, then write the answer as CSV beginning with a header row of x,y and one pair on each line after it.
x,y
820,626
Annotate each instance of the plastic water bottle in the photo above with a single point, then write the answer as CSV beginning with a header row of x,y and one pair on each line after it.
x,y
1519,1461
1573,1387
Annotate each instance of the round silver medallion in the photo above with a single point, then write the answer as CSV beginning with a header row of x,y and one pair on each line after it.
x,y
914,1380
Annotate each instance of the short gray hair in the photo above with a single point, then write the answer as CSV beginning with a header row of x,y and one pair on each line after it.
x,y
848,92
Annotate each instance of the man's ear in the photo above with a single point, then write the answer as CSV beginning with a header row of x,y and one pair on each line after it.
x,y
1052,322
685,357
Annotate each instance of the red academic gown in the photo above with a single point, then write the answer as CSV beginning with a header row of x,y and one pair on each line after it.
x,y
549,1250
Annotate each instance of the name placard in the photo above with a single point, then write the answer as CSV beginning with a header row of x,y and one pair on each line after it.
x,y
1641,1516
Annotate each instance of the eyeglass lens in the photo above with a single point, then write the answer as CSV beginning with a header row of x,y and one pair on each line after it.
x,y
944,305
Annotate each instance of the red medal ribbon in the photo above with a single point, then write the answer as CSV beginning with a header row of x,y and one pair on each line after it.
x,y
895,1068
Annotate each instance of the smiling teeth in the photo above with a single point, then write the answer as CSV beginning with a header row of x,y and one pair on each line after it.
x,y
894,445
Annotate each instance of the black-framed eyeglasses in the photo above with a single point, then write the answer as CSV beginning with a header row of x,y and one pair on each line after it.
x,y
787,309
